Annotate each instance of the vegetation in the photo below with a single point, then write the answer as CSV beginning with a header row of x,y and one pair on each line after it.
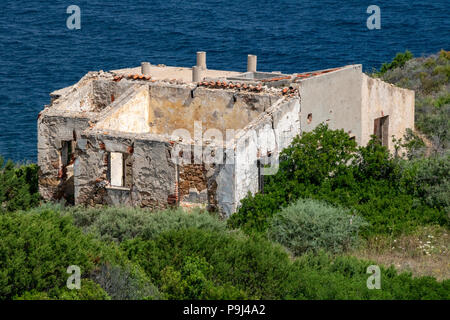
x,y
118,224
326,164
311,225
429,78
18,186
398,62
38,246
252,267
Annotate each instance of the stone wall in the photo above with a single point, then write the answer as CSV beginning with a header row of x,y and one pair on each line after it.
x,y
52,131
153,173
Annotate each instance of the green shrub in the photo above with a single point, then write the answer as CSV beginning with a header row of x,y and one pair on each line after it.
x,y
315,157
398,62
326,165
320,276
191,264
429,180
124,283
311,225
18,186
239,266
413,145
117,224
89,290
192,282
38,246
36,249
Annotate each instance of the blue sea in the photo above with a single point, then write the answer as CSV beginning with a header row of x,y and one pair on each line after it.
x,y
39,54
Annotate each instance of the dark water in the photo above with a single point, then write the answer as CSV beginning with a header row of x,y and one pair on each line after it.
x,y
38,54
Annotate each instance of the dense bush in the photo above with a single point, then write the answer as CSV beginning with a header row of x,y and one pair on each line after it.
x,y
89,290
311,225
38,246
429,179
325,164
239,266
18,186
189,264
320,276
311,160
193,282
120,223
124,282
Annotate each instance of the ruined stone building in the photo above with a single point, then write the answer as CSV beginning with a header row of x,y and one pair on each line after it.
x,y
156,136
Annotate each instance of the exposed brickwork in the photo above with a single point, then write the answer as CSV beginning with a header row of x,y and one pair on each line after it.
x,y
191,176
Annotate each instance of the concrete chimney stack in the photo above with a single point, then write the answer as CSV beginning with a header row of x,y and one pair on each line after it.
x,y
251,63
201,60
145,68
195,74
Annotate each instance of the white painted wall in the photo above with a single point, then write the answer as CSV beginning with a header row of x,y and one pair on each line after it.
x,y
271,132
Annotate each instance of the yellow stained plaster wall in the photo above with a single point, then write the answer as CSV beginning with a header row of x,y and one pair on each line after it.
x,y
133,116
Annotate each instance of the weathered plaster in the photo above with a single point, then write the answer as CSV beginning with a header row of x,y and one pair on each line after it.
x,y
235,127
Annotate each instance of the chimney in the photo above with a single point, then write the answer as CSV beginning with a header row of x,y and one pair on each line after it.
x,y
195,74
251,63
145,68
201,60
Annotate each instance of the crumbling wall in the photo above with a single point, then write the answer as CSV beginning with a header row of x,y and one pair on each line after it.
x,y
333,98
380,99
223,181
263,140
205,176
105,92
153,173
192,183
91,172
52,131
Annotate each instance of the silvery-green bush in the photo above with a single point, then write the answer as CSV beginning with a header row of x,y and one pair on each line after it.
x,y
121,223
311,225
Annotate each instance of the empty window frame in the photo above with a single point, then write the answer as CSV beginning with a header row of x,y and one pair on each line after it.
x,y
67,152
381,130
120,169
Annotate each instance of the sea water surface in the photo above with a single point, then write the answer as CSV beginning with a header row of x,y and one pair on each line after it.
x,y
39,54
